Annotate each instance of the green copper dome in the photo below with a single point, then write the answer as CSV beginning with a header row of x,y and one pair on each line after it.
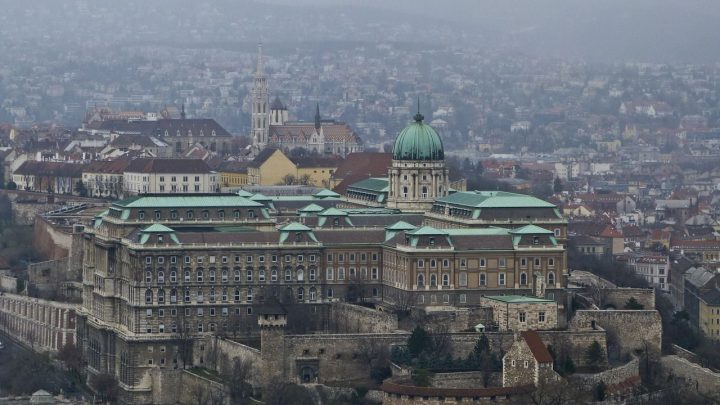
x,y
418,141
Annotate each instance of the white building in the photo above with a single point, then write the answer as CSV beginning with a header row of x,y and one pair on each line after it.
x,y
169,176
653,268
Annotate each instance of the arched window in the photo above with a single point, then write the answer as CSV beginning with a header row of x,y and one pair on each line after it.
x,y
237,274
421,280
482,280
523,278
311,274
173,327
433,280
300,294
224,294
186,295
445,279
200,298
173,296
250,294
237,295
148,296
200,275
273,275
313,294
224,276
148,276
161,276
300,274
288,274
405,192
161,296
261,274
173,276
211,275
424,192
187,276
551,278
421,299
249,273
212,294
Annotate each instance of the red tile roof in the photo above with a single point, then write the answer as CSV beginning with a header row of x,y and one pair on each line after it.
x,y
360,166
537,347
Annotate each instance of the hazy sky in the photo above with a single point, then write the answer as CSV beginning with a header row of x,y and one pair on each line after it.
x,y
679,31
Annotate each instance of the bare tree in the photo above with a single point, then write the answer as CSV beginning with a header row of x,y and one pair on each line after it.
x,y
184,338
440,341
553,393
238,379
200,394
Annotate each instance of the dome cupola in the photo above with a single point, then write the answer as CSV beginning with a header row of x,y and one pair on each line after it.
x,y
418,141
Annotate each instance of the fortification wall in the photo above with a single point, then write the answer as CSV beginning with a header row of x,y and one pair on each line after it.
x,y
467,379
612,376
50,241
222,354
184,387
8,283
348,318
618,297
627,331
704,380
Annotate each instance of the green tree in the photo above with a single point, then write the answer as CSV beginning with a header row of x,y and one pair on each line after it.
x,y
418,341
600,390
421,377
633,304
594,355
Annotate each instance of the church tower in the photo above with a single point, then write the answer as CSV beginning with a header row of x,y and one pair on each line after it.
x,y
260,114
418,174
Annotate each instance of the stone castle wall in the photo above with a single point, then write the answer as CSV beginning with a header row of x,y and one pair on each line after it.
x,y
627,331
184,387
612,376
223,352
467,379
348,318
50,241
618,297
704,380
41,324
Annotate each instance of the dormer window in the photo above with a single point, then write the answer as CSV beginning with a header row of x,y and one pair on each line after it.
x,y
160,238
432,241
141,215
298,236
536,240
336,222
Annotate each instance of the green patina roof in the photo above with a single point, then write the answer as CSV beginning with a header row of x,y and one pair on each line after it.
x,y
326,193
375,184
494,199
477,231
295,227
311,208
171,201
517,299
418,141
243,193
427,230
531,230
157,228
400,226
332,211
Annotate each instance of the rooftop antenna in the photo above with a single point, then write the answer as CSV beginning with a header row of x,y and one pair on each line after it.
x,y
259,61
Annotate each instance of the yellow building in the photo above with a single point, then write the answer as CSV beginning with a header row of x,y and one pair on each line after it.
x,y
315,171
273,167
233,174
709,321
269,168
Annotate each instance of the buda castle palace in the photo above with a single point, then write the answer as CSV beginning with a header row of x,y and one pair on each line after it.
x,y
159,271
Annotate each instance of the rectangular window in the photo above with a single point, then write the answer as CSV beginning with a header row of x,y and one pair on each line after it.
x,y
537,263
521,316
501,278
341,273
375,273
329,257
311,258
541,316
463,279
483,279
329,273
502,262
463,298
463,263
551,262
483,263
523,262
421,263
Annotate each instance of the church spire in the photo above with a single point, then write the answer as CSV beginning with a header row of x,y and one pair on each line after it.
x,y
317,116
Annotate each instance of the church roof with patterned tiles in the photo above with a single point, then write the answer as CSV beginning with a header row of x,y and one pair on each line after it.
x,y
158,128
290,132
